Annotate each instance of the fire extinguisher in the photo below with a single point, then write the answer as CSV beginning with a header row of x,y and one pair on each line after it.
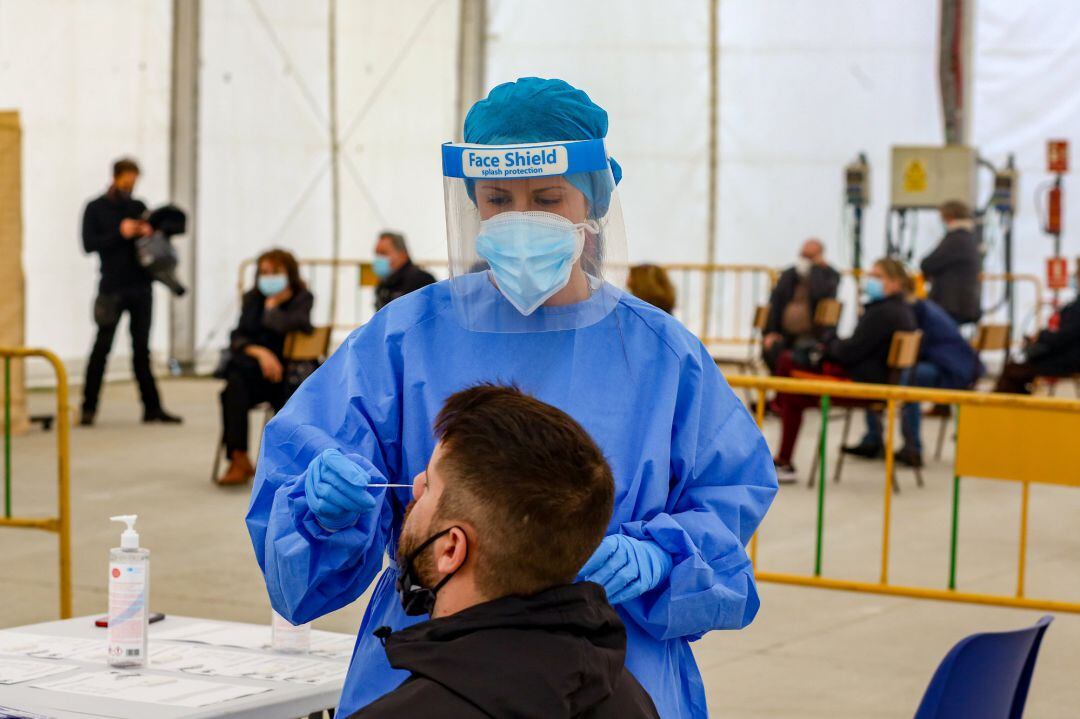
x,y
1053,208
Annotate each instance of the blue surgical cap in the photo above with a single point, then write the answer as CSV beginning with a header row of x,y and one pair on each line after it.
x,y
533,109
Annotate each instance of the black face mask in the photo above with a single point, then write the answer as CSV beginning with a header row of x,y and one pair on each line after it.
x,y
416,599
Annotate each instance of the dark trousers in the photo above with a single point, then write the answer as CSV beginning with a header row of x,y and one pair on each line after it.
x,y
792,406
245,387
108,308
1017,377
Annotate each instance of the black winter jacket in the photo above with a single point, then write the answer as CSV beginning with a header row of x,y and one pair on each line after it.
x,y
267,328
824,281
407,279
865,355
120,268
558,654
953,272
1057,353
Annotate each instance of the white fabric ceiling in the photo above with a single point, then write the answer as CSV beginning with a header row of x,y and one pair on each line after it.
x,y
803,88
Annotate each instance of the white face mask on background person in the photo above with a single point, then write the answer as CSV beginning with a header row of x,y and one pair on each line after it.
x,y
803,265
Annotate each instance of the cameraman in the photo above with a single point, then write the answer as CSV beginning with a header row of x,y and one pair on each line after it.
x,y
111,224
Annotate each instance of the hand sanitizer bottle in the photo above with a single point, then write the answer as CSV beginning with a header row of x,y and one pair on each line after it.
x,y
129,592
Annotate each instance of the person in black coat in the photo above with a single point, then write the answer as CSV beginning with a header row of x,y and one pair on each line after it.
x,y
794,301
398,276
863,357
279,303
1051,353
952,269
111,224
493,561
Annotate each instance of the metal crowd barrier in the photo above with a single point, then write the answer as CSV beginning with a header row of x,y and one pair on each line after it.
x,y
717,301
999,436
60,524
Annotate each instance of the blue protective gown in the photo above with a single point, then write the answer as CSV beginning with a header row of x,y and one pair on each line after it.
x,y
692,471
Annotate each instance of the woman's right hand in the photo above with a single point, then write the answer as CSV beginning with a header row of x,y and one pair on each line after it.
x,y
269,364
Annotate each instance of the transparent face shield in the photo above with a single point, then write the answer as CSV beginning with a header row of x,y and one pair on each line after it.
x,y
536,236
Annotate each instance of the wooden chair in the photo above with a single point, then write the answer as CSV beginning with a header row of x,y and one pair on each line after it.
x,y
827,314
988,338
299,347
903,356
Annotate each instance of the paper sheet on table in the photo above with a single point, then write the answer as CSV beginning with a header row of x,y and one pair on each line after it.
x,y
45,646
13,671
150,688
253,636
203,660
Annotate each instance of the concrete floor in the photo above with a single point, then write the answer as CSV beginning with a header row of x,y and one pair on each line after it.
x,y
810,653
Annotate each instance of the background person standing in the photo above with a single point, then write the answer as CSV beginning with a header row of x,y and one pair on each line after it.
x,y
952,269
111,224
398,276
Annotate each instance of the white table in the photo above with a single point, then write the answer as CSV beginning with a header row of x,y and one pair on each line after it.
x,y
284,700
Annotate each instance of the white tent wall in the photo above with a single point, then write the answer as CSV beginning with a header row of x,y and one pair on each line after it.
x,y
265,169
1028,59
264,143
91,83
647,65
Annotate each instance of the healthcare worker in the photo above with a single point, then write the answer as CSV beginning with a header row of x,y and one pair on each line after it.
x,y
536,241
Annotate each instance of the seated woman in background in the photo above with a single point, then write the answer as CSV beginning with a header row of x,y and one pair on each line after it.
x,y
863,357
651,283
279,303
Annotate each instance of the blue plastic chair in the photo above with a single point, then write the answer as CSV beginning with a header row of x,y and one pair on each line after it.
x,y
985,676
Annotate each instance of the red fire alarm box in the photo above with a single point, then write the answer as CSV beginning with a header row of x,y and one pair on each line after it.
x,y
1057,156
1057,273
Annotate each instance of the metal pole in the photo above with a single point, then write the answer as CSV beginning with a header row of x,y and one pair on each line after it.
x,y
184,177
1022,562
890,428
714,150
821,483
472,45
7,437
335,165
954,537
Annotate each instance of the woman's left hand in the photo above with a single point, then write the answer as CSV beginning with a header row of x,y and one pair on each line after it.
x,y
279,299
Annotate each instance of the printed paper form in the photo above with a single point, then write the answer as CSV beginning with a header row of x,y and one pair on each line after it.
x,y
14,671
227,663
253,636
47,646
150,688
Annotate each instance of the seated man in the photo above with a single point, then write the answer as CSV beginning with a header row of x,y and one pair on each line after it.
x,y
397,274
1052,353
514,500
794,301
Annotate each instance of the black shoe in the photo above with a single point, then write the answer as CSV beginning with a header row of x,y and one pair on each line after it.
x,y
160,415
785,473
869,451
909,458
86,417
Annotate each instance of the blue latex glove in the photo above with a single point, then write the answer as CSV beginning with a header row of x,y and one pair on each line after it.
x,y
626,567
336,490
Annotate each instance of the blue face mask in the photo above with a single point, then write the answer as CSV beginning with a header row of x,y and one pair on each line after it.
x,y
271,285
530,254
381,266
873,289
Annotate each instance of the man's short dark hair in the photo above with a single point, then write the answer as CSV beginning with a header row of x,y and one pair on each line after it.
x,y
530,480
124,164
396,239
956,210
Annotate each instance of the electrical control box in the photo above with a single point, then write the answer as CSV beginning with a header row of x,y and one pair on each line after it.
x,y
857,183
927,176
1004,197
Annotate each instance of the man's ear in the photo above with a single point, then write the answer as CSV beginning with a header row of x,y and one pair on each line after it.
x,y
451,551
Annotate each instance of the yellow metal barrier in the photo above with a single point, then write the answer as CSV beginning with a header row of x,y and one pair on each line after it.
x,y
716,301
60,524
1000,436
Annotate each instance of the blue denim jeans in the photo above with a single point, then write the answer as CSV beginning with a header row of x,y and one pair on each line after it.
x,y
923,374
